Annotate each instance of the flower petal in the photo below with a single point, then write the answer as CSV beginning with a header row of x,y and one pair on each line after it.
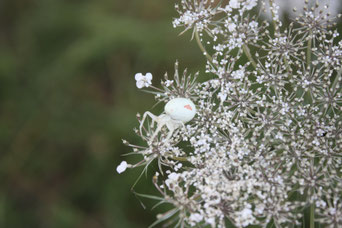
x,y
140,84
122,167
148,76
138,76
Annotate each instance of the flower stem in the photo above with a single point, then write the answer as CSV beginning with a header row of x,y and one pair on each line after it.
x,y
312,216
198,40
288,69
249,56
308,50
273,16
184,159
336,80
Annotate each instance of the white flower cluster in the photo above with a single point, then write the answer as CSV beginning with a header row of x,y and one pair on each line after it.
x,y
143,80
295,6
265,147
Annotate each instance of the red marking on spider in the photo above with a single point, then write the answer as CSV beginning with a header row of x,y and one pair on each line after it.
x,y
188,107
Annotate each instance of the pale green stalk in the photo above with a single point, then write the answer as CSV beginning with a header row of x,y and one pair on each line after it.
x,y
198,40
273,16
336,80
312,216
308,50
249,56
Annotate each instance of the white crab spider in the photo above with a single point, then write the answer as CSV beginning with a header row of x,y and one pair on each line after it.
x,y
178,111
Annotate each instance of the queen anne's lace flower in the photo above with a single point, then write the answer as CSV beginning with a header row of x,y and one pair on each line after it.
x,y
265,145
331,6
234,4
122,167
143,80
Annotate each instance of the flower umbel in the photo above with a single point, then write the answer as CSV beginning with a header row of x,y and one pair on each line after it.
x,y
263,144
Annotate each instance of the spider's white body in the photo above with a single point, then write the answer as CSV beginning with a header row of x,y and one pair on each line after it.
x,y
180,109
177,112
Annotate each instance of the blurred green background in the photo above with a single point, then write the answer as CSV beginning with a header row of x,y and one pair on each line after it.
x,y
68,97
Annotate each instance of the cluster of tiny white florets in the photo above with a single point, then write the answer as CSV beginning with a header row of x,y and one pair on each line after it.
x,y
265,146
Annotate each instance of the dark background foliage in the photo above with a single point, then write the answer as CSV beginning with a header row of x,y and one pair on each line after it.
x,y
68,97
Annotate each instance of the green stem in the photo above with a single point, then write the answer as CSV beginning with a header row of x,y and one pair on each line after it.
x,y
249,56
308,50
288,69
337,78
309,97
308,65
273,16
312,216
184,159
198,40
312,207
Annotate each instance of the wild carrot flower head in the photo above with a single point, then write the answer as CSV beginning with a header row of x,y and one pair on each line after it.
x,y
265,144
